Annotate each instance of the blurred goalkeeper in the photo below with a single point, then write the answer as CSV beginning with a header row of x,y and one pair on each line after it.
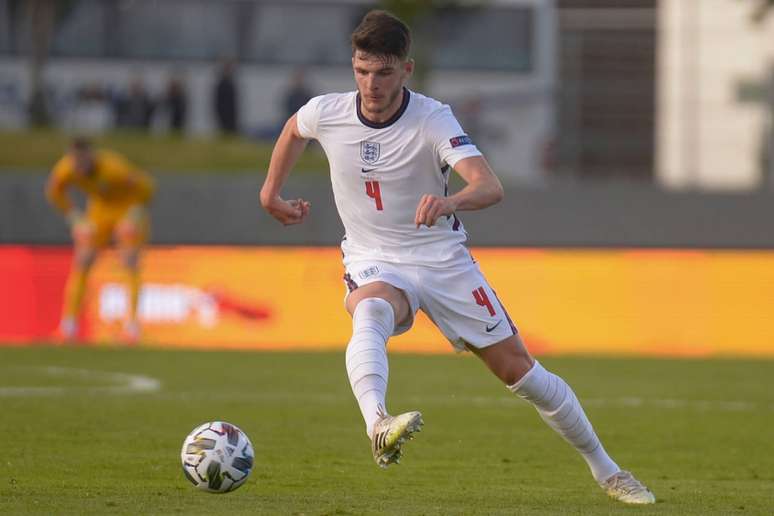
x,y
117,195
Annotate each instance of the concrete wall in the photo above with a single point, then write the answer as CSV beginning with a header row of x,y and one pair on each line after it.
x,y
225,210
715,76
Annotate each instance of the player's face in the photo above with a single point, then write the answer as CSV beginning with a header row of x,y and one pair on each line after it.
x,y
380,81
84,161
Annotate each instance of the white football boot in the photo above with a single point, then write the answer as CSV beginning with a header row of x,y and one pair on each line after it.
x,y
625,488
389,434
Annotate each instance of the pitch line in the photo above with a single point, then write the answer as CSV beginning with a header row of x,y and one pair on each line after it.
x,y
623,402
479,401
639,402
118,383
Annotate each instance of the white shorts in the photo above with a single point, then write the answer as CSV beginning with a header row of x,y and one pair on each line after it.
x,y
457,299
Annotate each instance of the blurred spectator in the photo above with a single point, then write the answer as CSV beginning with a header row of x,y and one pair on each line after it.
x,y
12,109
470,118
134,110
473,120
90,110
175,103
297,94
226,99
38,108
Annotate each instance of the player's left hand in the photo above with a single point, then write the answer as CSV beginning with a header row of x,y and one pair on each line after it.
x,y
431,207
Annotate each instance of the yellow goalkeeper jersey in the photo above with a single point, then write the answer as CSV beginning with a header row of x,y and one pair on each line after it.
x,y
113,184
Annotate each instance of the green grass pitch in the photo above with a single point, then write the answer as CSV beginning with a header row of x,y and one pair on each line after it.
x,y
79,436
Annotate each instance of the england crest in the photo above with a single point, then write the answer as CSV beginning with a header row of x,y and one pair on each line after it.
x,y
369,152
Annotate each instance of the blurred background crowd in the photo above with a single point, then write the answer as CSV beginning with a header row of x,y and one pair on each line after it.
x,y
677,93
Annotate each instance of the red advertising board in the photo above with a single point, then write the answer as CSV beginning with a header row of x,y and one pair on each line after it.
x,y
658,302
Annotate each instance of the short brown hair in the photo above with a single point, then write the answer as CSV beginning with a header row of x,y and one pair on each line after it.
x,y
383,34
81,144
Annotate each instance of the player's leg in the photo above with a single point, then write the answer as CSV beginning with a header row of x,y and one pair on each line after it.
x,y
130,256
557,404
554,400
375,309
471,316
131,233
87,236
379,309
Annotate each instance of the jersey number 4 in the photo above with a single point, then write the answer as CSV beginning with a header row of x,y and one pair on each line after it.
x,y
374,192
483,300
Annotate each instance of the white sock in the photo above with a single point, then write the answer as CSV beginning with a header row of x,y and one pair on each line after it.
x,y
372,324
558,406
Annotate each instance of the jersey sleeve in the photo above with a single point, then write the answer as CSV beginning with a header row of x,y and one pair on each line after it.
x,y
449,141
307,118
57,184
144,186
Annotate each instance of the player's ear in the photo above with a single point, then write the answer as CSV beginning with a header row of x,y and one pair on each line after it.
x,y
408,67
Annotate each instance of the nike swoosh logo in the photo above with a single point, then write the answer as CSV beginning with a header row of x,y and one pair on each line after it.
x,y
491,329
366,170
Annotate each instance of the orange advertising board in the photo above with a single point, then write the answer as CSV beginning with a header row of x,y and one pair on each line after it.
x,y
232,297
657,302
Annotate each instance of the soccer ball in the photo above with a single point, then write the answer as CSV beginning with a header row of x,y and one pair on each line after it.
x,y
217,457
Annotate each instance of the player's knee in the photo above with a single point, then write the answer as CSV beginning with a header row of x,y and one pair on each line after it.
x,y
127,232
378,310
383,291
84,257
375,306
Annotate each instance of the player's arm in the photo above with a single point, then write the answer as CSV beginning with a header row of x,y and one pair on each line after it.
x,y
483,189
143,185
136,184
284,156
124,175
57,193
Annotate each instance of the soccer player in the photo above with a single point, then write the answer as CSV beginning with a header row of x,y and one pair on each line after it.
x,y
117,197
390,152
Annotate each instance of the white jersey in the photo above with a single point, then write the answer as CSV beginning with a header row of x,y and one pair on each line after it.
x,y
379,173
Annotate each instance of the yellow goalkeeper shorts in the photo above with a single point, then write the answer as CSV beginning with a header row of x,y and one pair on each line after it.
x,y
114,223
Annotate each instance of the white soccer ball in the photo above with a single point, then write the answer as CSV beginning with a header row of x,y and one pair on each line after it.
x,y
217,457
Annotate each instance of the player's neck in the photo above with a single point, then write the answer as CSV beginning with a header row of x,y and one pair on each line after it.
x,y
388,115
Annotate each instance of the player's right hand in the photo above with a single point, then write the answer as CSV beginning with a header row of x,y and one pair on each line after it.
x,y
289,212
81,228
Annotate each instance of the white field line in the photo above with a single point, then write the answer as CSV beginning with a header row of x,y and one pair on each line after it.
x,y
125,383
637,402
117,383
457,400
631,402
